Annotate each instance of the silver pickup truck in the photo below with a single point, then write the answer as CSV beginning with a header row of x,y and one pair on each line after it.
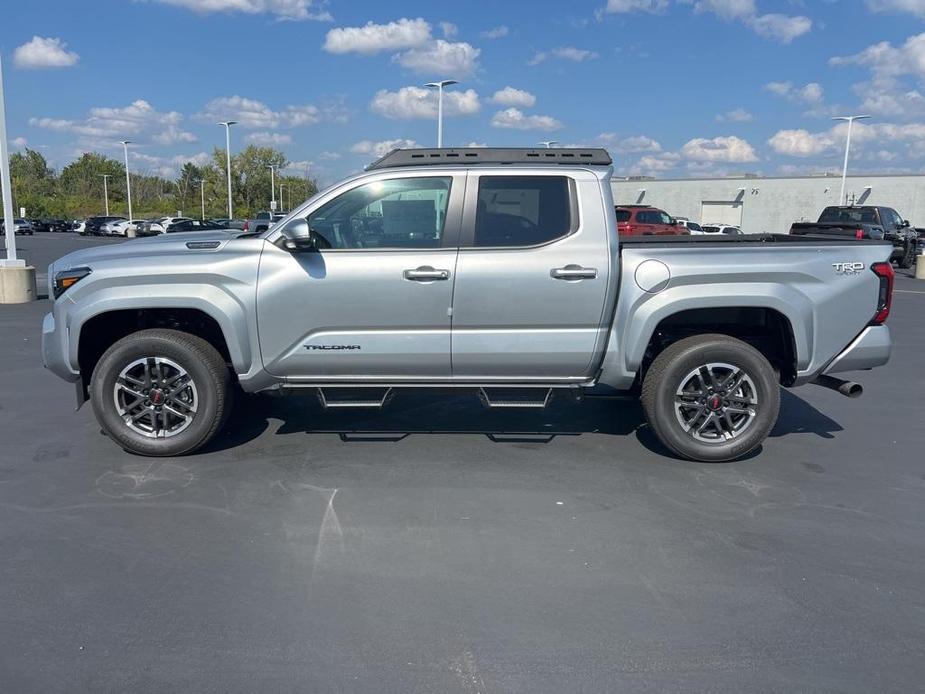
x,y
497,270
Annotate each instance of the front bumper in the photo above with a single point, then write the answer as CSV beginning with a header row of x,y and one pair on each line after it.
x,y
869,349
55,348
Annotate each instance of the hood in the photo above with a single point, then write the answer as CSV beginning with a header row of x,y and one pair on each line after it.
x,y
141,249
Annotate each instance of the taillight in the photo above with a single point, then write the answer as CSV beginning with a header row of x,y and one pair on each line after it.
x,y
859,233
885,296
628,229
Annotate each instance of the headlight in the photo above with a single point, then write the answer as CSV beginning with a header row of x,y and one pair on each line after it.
x,y
68,278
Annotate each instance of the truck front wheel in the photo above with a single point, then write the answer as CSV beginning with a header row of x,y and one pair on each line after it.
x,y
161,392
711,398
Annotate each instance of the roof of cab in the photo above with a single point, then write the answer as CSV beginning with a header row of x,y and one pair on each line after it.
x,y
492,155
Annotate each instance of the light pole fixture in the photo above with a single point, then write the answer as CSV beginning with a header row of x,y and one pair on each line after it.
x,y
548,143
228,124
106,191
844,172
272,168
130,230
439,87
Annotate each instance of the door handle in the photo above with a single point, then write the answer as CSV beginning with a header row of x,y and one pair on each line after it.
x,y
573,272
425,273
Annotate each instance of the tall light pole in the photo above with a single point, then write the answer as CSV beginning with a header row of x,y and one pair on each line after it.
x,y
106,191
5,184
202,198
844,173
130,230
548,143
272,168
228,124
281,186
439,87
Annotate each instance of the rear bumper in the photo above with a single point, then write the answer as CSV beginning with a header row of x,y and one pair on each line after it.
x,y
869,349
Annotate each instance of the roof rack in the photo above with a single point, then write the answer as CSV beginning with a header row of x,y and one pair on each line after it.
x,y
491,155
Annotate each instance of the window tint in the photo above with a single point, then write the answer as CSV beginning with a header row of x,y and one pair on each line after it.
x,y
662,217
522,210
397,213
623,215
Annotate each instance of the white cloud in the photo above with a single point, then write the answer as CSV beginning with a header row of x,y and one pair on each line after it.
x,y
282,9
738,115
44,52
800,143
477,144
495,32
329,156
576,55
380,149
811,93
729,149
652,164
138,118
915,7
727,9
449,29
199,159
515,119
636,144
781,27
885,60
509,96
268,139
253,114
625,6
376,38
19,142
418,102
441,57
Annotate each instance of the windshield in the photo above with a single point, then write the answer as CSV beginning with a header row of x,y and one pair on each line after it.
x,y
848,215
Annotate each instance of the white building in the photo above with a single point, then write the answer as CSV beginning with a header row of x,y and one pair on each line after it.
x,y
758,205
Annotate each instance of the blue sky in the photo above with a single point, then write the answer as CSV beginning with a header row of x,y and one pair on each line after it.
x,y
674,88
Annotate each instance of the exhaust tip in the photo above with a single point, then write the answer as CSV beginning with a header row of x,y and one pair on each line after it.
x,y
851,389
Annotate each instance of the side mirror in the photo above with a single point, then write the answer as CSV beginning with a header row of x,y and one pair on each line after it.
x,y
905,224
297,236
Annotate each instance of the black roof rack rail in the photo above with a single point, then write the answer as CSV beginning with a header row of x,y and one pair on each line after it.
x,y
492,155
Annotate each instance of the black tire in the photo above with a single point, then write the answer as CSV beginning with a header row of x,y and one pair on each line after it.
x,y
908,258
210,394
675,369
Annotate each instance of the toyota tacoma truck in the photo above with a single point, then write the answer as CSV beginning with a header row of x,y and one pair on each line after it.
x,y
866,222
495,270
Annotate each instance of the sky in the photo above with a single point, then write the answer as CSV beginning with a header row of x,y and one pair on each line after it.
x,y
672,88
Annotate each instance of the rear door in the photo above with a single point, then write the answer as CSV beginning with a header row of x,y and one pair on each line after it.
x,y
532,277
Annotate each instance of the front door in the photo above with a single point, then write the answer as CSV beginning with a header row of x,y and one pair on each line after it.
x,y
532,278
372,301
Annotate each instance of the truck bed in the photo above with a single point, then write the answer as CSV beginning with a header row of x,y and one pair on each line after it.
x,y
749,240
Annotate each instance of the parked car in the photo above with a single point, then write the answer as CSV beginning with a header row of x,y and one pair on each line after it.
x,y
692,227
58,225
121,227
94,225
727,229
22,227
642,220
545,293
159,225
40,225
866,222
77,225
195,225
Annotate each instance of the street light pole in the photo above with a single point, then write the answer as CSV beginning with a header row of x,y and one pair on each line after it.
x,y
281,186
272,168
844,173
5,184
130,230
439,86
202,198
228,124
106,191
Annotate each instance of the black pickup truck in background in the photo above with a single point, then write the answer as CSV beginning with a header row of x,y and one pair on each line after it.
x,y
865,222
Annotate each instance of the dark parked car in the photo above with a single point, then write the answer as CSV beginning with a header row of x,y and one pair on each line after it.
x,y
50,225
39,225
94,224
195,225
865,222
643,220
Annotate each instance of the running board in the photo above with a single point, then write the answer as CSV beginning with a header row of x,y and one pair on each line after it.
x,y
347,399
511,398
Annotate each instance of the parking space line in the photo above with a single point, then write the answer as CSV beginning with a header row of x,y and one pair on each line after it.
x,y
907,291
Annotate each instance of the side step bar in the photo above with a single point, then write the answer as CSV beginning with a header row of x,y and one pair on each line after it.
x,y
510,398
354,398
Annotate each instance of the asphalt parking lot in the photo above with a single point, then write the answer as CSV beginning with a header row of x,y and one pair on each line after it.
x,y
439,547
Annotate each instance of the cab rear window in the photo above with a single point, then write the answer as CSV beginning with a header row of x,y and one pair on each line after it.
x,y
623,215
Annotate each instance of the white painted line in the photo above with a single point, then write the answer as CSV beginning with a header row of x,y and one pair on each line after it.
x,y
906,291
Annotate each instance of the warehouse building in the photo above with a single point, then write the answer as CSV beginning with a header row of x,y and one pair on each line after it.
x,y
757,204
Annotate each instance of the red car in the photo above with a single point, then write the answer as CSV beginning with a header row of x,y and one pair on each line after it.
x,y
642,220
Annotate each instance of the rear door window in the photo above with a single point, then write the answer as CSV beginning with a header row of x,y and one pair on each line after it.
x,y
523,210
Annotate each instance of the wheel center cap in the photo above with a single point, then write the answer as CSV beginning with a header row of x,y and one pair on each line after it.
x,y
157,397
716,402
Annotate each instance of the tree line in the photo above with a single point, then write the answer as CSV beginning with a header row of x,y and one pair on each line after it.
x,y
77,190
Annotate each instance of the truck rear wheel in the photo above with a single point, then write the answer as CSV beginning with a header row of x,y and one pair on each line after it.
x,y
711,398
161,392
